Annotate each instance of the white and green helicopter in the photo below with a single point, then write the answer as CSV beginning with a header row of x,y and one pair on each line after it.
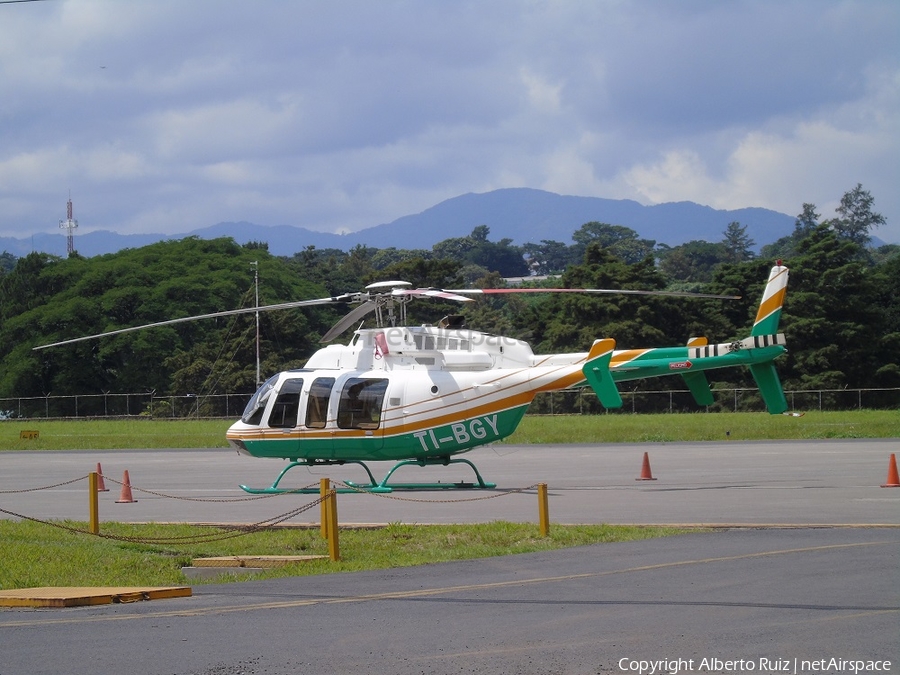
x,y
422,395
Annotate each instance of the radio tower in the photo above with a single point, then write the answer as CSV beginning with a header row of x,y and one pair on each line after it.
x,y
69,224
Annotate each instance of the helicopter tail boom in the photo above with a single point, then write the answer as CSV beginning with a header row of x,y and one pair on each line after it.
x,y
604,368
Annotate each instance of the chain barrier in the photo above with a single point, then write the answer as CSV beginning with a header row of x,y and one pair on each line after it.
x,y
43,487
218,500
230,531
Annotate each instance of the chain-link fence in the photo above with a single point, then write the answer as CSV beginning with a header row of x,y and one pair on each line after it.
x,y
583,401
580,401
110,405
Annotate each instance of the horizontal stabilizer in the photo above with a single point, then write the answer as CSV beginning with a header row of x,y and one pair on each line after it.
x,y
755,342
596,372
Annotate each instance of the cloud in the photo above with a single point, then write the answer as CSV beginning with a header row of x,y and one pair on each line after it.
x,y
794,162
168,116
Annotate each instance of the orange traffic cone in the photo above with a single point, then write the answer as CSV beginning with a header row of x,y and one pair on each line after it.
x,y
101,486
125,497
893,480
645,469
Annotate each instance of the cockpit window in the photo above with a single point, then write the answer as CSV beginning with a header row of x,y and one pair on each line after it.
x,y
287,405
256,406
360,404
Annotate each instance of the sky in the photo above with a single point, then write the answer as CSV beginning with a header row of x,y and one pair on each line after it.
x,y
165,116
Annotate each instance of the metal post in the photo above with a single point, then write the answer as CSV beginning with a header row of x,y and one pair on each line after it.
x,y
93,504
324,488
334,548
543,509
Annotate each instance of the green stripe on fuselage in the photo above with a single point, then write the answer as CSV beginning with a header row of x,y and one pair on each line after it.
x,y
444,440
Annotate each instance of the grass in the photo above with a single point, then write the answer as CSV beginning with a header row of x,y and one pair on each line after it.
x,y
625,428
131,434
38,554
614,428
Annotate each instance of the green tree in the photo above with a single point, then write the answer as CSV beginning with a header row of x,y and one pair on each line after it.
x,y
856,217
830,314
738,245
501,257
7,263
692,262
623,242
886,281
548,257
574,321
46,300
785,248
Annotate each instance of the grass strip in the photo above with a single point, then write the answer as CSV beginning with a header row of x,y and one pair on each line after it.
x,y
139,434
37,554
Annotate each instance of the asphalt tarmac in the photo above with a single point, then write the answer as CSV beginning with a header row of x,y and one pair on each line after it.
x,y
780,482
815,591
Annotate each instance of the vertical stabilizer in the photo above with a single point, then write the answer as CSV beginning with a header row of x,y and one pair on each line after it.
x,y
769,313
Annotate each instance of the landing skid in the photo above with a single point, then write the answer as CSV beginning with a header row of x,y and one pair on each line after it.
x,y
444,461
373,486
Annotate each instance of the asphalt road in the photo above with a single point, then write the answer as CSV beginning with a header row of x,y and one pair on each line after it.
x,y
749,600
796,482
775,595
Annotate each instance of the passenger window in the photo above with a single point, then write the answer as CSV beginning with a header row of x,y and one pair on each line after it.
x,y
360,403
285,410
317,405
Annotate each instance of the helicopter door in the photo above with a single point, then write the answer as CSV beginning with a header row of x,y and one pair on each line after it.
x,y
286,409
317,401
359,417
287,404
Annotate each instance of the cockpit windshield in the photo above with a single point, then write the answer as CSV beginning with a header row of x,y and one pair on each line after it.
x,y
257,405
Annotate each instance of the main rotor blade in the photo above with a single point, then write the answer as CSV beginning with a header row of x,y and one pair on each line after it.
x,y
432,293
606,291
349,319
230,312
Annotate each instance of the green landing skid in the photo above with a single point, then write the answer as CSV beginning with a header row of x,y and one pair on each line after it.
x,y
275,490
383,486
374,486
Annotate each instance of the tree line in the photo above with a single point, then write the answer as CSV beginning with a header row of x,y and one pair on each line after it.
x,y
841,316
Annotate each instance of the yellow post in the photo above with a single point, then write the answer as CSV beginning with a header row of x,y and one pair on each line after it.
x,y
324,487
93,506
543,509
334,548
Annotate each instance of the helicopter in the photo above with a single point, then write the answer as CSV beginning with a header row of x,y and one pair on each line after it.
x,y
422,395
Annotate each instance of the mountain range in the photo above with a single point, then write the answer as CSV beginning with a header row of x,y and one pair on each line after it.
x,y
523,215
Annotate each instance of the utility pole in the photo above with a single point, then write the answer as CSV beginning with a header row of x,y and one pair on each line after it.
x,y
255,266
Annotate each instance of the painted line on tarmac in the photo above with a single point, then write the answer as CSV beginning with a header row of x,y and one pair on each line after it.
x,y
427,592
